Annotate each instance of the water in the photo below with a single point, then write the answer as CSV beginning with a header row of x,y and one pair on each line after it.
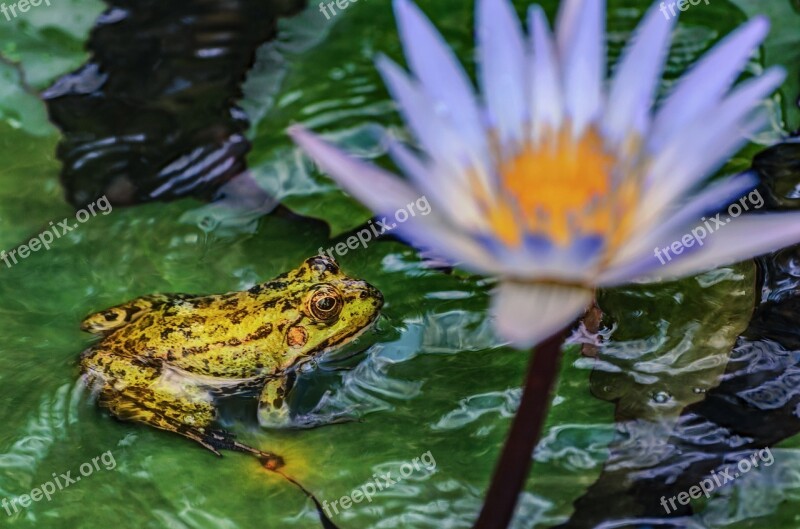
x,y
648,414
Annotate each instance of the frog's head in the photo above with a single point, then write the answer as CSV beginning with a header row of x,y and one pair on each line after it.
x,y
335,309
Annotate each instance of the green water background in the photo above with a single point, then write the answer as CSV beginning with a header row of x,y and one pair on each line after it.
x,y
434,379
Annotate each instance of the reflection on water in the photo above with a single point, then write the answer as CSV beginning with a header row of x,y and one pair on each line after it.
x,y
779,168
152,115
755,405
368,387
665,357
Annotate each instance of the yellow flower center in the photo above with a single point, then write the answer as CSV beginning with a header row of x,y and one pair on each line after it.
x,y
561,189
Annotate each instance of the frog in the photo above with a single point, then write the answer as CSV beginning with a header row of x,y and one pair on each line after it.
x,y
165,360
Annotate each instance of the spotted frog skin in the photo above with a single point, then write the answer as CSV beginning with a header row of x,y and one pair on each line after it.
x,y
163,359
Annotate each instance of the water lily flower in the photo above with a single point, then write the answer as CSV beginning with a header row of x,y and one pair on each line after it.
x,y
554,179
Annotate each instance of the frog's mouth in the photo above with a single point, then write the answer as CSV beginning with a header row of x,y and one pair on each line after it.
x,y
331,359
332,350
335,353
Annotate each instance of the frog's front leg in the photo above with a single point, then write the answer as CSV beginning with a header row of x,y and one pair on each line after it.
x,y
273,407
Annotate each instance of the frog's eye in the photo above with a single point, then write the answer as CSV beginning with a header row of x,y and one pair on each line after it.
x,y
325,304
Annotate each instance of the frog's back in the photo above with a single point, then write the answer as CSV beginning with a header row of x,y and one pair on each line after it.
x,y
230,335
109,320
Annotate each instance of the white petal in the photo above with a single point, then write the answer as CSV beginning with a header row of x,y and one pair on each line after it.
x,y
440,74
503,69
740,239
706,82
440,139
743,238
716,197
547,110
441,187
385,194
707,143
567,22
637,77
527,313
379,190
583,63
431,233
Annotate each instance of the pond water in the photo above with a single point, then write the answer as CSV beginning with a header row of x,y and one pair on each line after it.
x,y
692,376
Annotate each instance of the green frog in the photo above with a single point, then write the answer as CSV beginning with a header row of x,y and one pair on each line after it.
x,y
164,359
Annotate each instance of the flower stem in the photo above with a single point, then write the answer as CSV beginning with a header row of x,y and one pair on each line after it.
x,y
517,457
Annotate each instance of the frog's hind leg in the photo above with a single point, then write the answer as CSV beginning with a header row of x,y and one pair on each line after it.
x,y
187,415
136,390
111,319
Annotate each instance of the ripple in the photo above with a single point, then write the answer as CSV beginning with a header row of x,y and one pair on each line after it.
x,y
56,413
499,403
576,447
